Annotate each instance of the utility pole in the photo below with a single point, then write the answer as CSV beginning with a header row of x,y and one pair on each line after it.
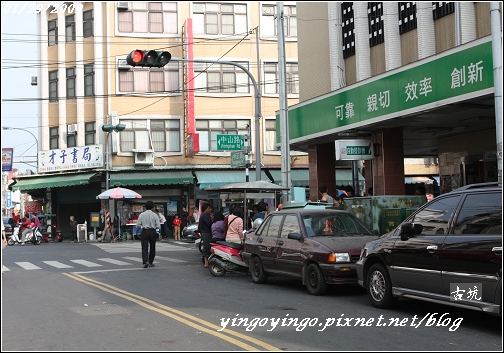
x,y
495,18
284,123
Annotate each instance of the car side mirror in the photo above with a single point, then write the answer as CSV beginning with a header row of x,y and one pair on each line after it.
x,y
375,232
296,236
409,229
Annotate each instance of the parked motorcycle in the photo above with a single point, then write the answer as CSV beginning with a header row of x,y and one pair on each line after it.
x,y
198,242
33,236
57,234
226,257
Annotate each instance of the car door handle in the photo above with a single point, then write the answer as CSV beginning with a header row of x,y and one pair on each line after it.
x,y
280,242
432,247
259,240
497,250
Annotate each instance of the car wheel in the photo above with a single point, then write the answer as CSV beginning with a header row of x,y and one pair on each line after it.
x,y
216,270
315,281
257,270
379,287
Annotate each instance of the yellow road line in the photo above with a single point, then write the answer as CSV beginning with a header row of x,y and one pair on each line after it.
x,y
176,314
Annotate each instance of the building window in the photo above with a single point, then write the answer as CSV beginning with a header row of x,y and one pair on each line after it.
x,y
215,78
53,86
70,28
165,135
53,138
269,23
271,78
375,22
71,140
407,16
70,83
52,32
347,15
90,133
441,9
89,80
88,23
219,18
270,127
154,80
149,17
209,129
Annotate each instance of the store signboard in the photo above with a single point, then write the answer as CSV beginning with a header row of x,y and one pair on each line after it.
x,y
71,158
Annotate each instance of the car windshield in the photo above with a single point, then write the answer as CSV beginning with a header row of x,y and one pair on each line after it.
x,y
341,224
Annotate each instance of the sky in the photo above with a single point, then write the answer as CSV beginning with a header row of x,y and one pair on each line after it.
x,y
19,44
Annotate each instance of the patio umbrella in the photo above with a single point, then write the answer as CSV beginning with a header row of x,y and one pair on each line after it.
x,y
119,193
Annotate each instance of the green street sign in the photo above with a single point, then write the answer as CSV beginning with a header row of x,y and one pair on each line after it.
x,y
230,142
238,159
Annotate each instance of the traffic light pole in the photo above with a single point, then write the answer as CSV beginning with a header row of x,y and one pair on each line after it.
x,y
257,106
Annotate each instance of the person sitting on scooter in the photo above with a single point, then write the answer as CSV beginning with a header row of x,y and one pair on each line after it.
x,y
235,227
218,228
25,227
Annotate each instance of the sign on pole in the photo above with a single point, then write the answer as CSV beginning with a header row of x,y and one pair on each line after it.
x,y
354,150
238,159
7,157
230,142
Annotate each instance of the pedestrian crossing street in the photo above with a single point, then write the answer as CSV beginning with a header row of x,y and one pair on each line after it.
x,y
104,262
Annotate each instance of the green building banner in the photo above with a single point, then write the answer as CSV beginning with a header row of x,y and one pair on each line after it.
x,y
423,86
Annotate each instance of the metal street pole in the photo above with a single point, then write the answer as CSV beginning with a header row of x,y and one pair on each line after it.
x,y
495,18
18,128
284,123
257,104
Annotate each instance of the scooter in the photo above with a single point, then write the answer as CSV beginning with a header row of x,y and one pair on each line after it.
x,y
33,236
226,257
57,234
199,243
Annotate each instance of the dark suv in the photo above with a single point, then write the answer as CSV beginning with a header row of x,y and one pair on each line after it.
x,y
449,251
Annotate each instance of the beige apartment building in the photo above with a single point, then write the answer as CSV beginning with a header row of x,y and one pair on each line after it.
x,y
85,82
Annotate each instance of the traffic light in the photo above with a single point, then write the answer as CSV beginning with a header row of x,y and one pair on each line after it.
x,y
149,58
110,127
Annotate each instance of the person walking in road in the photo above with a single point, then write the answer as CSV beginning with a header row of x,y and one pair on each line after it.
x,y
148,221
205,229
176,227
162,222
73,228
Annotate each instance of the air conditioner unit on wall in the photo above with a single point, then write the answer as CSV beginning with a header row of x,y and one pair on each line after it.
x,y
122,5
144,157
123,65
72,128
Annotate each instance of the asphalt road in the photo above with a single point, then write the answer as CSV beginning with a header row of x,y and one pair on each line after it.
x,y
97,297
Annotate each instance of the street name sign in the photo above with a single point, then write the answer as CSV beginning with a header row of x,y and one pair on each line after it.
x,y
230,142
238,159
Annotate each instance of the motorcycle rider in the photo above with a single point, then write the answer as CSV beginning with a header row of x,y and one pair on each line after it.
x,y
25,227
235,227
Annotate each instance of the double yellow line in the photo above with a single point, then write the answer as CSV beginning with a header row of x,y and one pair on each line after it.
x,y
193,321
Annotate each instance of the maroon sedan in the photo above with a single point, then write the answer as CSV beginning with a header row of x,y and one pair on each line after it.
x,y
319,246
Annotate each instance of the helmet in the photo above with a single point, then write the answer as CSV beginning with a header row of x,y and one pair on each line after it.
x,y
257,223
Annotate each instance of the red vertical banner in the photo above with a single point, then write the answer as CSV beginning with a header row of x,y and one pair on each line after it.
x,y
191,121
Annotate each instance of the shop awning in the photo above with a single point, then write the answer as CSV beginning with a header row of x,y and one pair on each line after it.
x,y
54,181
216,178
151,178
300,177
418,180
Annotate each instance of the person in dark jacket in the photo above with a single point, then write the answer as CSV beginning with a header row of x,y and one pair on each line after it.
x,y
205,229
73,228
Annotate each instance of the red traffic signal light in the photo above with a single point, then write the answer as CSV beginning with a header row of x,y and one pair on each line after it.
x,y
149,58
